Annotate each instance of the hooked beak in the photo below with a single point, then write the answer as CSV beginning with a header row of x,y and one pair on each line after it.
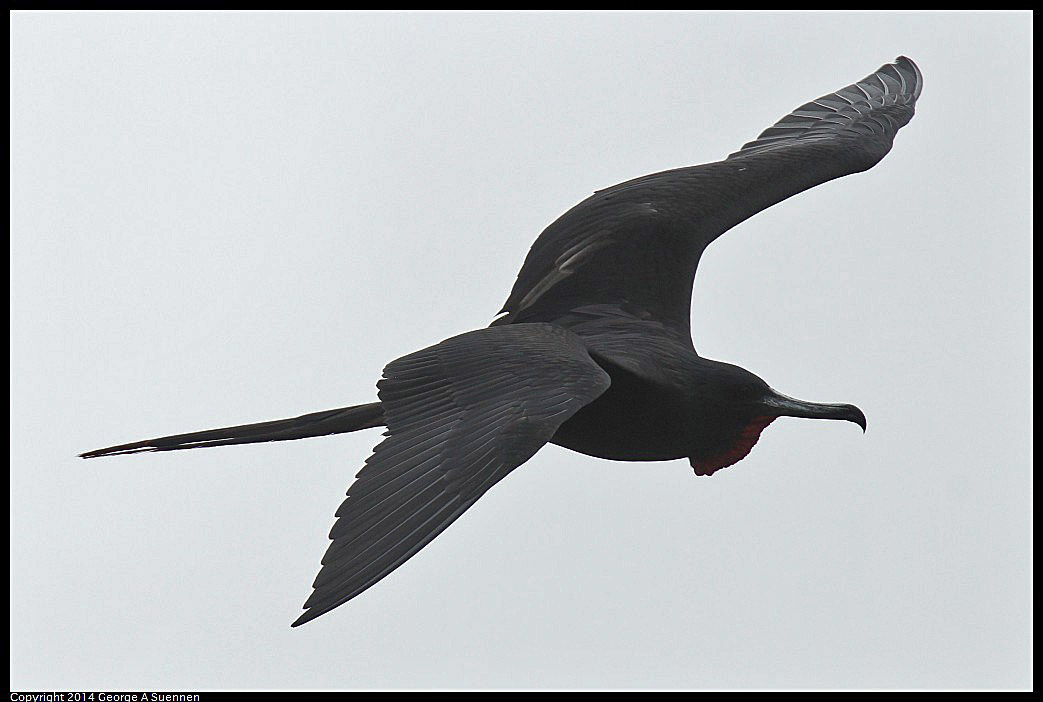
x,y
782,406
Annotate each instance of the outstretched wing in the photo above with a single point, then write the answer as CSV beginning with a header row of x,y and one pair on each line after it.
x,y
460,415
633,249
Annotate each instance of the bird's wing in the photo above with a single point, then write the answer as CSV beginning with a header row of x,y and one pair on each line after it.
x,y
460,415
634,248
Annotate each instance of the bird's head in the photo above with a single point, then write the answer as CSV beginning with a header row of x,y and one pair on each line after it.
x,y
738,406
747,395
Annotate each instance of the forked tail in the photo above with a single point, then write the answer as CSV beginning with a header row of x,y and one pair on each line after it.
x,y
336,421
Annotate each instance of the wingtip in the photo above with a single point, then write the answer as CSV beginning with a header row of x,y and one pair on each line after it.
x,y
897,83
907,63
303,619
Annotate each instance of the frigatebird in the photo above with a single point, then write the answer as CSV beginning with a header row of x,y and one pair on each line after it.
x,y
592,351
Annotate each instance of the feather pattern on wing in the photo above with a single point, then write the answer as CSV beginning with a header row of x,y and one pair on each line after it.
x,y
634,247
460,415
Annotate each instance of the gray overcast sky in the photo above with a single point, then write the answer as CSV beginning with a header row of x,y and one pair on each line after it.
x,y
226,218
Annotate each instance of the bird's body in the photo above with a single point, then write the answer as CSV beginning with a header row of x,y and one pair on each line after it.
x,y
635,419
593,350
685,409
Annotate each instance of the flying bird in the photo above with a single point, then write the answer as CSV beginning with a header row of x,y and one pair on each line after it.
x,y
592,350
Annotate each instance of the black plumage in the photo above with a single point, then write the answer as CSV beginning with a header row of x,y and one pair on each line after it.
x,y
593,350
